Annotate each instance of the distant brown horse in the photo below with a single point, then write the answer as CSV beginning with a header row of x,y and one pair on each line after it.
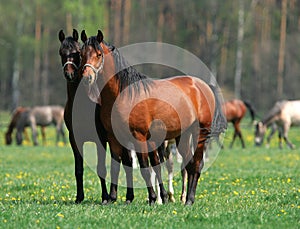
x,y
69,52
137,109
16,115
235,111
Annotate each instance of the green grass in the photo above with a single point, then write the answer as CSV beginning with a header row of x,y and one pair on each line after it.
x,y
244,188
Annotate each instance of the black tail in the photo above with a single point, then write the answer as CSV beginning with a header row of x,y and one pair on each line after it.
x,y
251,109
219,124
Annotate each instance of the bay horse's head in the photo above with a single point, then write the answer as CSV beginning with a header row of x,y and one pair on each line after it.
x,y
260,130
92,56
69,52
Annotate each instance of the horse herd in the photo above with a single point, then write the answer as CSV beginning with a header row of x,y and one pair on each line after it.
x,y
127,110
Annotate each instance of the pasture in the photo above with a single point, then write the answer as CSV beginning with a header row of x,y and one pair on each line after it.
x,y
244,188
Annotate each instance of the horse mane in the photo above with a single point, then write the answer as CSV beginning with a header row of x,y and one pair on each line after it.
x,y
273,112
126,75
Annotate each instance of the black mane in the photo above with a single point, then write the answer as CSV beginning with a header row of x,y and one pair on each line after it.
x,y
126,75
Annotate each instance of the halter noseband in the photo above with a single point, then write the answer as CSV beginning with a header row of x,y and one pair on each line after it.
x,y
72,63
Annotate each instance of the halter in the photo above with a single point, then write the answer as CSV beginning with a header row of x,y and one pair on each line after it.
x,y
72,63
97,70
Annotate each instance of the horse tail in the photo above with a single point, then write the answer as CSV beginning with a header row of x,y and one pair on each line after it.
x,y
251,109
219,124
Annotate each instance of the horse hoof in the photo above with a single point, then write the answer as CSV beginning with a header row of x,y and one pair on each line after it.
x,y
104,202
189,203
171,197
78,201
128,202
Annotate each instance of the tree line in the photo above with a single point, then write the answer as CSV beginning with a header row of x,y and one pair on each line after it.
x,y
251,46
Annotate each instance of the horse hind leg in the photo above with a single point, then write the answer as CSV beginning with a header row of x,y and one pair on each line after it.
x,y
170,169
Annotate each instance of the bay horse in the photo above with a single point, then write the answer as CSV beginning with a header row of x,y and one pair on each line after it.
x,y
69,52
17,113
40,116
284,114
234,111
145,112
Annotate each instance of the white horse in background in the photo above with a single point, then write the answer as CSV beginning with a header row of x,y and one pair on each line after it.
x,y
284,114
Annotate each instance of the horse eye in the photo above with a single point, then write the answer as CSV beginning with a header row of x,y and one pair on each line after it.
x,y
99,55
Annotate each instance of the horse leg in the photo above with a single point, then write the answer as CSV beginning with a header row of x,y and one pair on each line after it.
x,y
280,137
19,137
184,185
286,128
273,130
101,171
34,131
145,171
195,165
127,164
170,168
116,154
78,168
234,135
239,133
155,163
43,131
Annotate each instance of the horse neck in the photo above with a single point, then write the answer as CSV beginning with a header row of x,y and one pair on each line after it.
x,y
71,90
111,88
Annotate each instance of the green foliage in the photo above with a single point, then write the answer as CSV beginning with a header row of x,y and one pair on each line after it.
x,y
244,188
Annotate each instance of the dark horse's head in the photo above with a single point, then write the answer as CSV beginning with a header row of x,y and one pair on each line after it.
x,y
69,52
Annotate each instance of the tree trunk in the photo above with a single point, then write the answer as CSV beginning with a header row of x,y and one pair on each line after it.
x,y
239,52
45,71
126,26
37,58
281,49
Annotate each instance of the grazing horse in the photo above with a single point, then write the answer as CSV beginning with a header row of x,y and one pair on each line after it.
x,y
40,116
69,52
284,114
235,111
137,109
17,113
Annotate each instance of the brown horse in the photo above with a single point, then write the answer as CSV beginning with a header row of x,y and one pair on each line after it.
x,y
137,109
70,58
16,115
235,111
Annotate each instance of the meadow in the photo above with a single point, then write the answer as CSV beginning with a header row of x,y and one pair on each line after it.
x,y
244,188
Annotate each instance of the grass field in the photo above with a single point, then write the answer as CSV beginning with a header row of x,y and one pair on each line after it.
x,y
244,188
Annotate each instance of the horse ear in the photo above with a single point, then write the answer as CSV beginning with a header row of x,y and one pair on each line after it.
x,y
83,36
61,35
75,34
99,36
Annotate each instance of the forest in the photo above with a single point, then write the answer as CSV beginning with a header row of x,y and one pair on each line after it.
x,y
251,46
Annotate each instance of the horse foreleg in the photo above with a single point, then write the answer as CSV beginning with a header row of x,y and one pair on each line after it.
x,y
127,164
273,130
43,131
115,171
78,168
285,135
101,171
